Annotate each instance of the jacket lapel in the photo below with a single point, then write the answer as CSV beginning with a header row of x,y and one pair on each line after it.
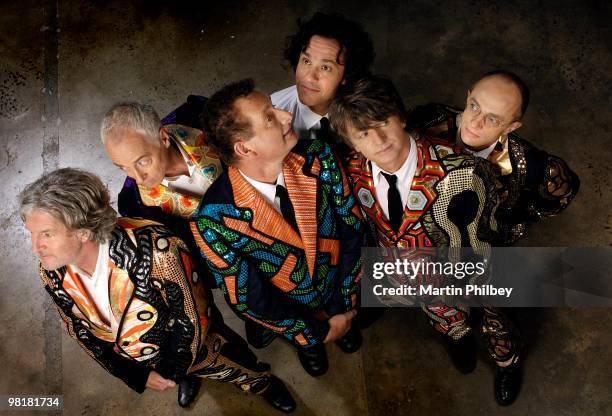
x,y
422,192
369,199
194,144
84,306
303,189
266,224
120,290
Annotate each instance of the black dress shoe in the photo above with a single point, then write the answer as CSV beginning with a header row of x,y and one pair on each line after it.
x,y
462,352
508,384
278,396
351,342
314,359
188,389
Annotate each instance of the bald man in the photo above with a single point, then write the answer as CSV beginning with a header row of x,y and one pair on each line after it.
x,y
535,185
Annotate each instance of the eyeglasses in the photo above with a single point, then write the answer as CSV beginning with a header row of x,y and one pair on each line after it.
x,y
490,120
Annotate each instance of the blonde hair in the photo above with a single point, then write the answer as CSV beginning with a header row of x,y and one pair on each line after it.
x,y
75,197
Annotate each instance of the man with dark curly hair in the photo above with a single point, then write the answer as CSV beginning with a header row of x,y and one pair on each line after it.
x,y
129,294
327,52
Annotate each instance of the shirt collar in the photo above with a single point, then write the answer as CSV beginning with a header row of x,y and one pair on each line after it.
x,y
484,153
404,172
268,190
309,117
100,262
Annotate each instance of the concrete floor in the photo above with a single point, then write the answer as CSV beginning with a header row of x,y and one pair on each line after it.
x,y
65,62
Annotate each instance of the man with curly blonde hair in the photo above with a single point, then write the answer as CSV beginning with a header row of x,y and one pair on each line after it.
x,y
129,294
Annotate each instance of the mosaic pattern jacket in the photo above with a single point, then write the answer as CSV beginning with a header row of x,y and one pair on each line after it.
x,y
451,203
162,314
272,276
535,184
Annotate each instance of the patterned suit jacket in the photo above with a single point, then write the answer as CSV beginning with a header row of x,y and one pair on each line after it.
x,y
163,315
270,274
535,184
160,202
451,203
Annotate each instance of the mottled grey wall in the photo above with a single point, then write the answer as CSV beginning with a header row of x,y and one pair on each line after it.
x,y
158,52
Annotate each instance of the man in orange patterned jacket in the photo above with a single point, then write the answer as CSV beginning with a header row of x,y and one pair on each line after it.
x,y
280,229
128,294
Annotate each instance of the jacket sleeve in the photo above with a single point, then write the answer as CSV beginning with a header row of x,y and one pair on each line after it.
x,y
133,373
556,189
352,239
545,188
248,291
185,302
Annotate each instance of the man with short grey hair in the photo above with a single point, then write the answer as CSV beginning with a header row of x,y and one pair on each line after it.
x,y
171,164
169,168
129,294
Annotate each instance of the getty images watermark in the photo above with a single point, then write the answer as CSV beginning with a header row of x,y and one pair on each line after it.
x,y
505,276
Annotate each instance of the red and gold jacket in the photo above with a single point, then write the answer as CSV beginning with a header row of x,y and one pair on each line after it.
x,y
451,202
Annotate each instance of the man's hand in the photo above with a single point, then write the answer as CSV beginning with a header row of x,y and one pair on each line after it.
x,y
157,382
339,325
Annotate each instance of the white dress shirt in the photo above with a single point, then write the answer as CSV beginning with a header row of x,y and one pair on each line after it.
x,y
97,286
267,190
484,153
404,174
306,122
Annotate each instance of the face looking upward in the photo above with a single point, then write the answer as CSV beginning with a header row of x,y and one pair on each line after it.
x,y
385,143
492,110
272,138
55,244
138,157
319,73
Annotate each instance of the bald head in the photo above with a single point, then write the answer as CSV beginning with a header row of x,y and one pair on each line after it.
x,y
509,87
494,107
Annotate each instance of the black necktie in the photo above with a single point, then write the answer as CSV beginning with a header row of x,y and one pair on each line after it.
x,y
396,210
324,132
286,206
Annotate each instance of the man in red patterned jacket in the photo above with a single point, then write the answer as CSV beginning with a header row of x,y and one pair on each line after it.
x,y
419,192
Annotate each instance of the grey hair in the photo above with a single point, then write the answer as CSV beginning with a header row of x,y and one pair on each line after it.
x,y
75,197
131,116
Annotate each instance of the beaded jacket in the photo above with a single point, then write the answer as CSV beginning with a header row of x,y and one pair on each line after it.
x,y
535,184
